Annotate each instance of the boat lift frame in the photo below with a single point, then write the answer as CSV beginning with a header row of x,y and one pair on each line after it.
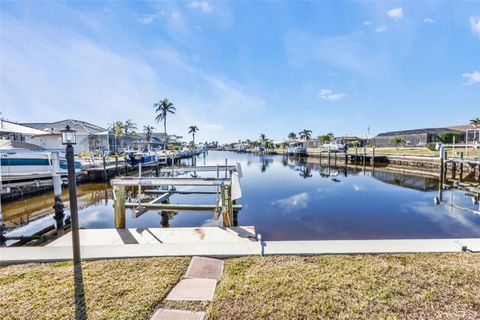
x,y
227,187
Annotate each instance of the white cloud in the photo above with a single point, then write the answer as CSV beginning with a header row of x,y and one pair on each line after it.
x,y
472,78
330,95
381,29
367,23
148,19
475,25
175,15
297,201
396,13
201,5
428,20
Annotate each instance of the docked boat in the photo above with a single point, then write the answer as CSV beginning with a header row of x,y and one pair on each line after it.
x,y
25,165
296,148
134,158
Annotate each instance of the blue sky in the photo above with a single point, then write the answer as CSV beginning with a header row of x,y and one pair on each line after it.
x,y
238,69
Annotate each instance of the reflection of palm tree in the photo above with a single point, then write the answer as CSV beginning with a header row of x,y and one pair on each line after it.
x,y
166,217
306,172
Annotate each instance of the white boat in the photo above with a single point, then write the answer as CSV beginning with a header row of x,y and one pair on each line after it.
x,y
25,165
334,147
296,148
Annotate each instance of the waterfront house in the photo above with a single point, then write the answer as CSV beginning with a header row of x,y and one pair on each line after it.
x,y
415,137
16,132
90,137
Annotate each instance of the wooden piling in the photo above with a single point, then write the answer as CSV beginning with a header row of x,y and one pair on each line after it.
x,y
119,206
117,172
105,175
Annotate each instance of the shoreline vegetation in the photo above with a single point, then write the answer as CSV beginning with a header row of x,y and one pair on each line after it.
x,y
400,286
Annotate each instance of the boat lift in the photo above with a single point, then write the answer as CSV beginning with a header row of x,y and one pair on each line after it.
x,y
227,190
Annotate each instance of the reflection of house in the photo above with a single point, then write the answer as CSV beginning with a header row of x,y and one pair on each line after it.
x,y
406,180
89,136
416,137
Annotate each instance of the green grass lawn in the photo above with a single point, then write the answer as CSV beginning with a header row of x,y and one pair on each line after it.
x,y
407,286
114,289
416,286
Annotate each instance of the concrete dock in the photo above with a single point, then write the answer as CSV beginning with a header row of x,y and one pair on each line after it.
x,y
218,242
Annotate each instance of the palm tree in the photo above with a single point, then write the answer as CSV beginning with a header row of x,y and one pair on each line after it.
x,y
148,130
162,109
118,129
193,130
475,122
129,127
305,134
263,138
292,135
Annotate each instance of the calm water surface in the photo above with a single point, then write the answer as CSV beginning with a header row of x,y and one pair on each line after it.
x,y
291,199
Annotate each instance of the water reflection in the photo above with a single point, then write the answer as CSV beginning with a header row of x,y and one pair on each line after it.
x,y
289,198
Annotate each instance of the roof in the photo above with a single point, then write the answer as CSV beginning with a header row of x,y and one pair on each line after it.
x,y
81,127
418,131
11,127
463,128
14,144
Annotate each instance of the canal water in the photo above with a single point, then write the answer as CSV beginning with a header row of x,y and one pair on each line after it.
x,y
290,199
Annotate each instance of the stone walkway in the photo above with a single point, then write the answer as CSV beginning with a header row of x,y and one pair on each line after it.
x,y
198,284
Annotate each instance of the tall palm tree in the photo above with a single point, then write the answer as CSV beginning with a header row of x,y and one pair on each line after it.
x,y
292,135
148,130
475,122
193,130
130,128
162,109
263,138
118,129
305,134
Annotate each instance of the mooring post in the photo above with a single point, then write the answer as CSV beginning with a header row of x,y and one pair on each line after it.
x,y
119,206
328,149
335,161
442,167
105,175
461,166
226,171
117,172
57,193
364,155
373,157
356,154
227,206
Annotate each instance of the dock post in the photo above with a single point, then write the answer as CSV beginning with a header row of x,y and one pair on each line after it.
x,y
364,156
356,154
105,174
119,206
335,161
329,156
226,166
117,173
57,193
227,207
373,157
442,169
461,166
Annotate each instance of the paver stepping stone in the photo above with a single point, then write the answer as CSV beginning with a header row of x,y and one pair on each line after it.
x,y
193,290
205,268
167,314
